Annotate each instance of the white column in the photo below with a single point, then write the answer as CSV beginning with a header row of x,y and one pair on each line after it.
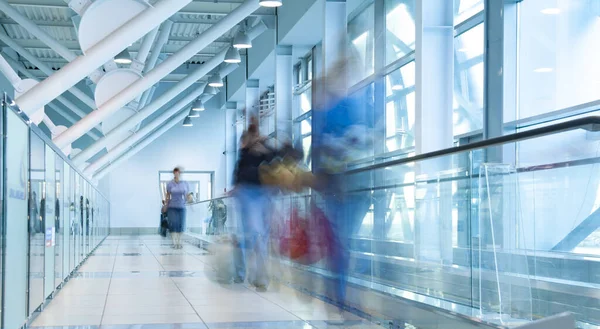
x,y
252,97
434,59
283,92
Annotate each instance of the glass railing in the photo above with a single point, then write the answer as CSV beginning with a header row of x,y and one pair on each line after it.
x,y
505,230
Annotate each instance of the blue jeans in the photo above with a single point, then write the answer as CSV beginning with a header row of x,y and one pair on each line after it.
x,y
252,233
345,213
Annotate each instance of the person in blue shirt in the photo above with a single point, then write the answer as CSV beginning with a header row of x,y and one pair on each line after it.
x,y
177,194
342,134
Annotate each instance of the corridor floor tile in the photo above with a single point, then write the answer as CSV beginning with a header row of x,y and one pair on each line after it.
x,y
141,283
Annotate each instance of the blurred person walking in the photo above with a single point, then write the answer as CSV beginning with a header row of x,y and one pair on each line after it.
x,y
342,134
253,199
177,193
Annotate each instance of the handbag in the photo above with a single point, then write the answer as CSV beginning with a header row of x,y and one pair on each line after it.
x,y
306,240
285,174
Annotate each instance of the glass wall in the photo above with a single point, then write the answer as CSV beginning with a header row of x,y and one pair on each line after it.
x,y
557,51
361,33
43,236
302,107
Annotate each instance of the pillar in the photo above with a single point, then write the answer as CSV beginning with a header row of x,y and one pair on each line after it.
x,y
230,143
283,92
434,59
252,98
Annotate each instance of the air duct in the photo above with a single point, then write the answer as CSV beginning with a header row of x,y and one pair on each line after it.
x,y
154,124
159,72
99,54
159,102
87,100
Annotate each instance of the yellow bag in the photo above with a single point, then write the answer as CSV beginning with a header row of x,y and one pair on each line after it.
x,y
285,174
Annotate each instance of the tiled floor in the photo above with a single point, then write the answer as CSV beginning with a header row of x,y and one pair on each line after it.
x,y
140,282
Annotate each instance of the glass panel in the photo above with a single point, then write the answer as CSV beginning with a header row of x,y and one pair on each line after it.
x,y
557,52
400,108
59,248
468,77
79,213
400,29
465,9
17,226
49,202
67,218
306,148
361,32
305,102
37,221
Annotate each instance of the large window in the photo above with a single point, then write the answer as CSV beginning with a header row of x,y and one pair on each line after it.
x,y
468,81
558,55
465,9
303,107
361,30
400,29
400,108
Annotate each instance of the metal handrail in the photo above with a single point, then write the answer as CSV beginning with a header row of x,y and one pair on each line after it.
x,y
591,123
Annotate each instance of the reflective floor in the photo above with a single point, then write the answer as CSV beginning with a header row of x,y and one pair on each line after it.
x,y
141,282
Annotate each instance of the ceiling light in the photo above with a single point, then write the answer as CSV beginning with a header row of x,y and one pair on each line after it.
x,y
193,114
123,57
242,41
198,105
208,90
215,81
543,70
551,11
233,56
187,122
271,3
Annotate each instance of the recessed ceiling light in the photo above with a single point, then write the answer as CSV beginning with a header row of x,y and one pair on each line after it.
x,y
271,3
551,11
543,70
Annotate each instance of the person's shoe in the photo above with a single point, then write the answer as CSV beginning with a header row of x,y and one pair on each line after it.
x,y
261,288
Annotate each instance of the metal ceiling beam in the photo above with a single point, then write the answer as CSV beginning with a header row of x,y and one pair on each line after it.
x,y
38,22
220,8
204,7
175,77
198,73
150,78
104,50
74,45
40,3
